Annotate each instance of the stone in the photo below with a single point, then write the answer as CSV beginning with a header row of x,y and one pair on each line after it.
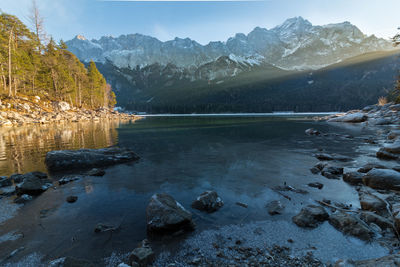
x,y
71,199
244,205
393,148
324,156
96,172
371,217
69,178
208,201
23,199
315,170
310,216
382,154
144,256
312,131
7,191
367,167
101,227
32,185
350,224
386,261
382,179
65,160
4,181
372,203
316,185
166,215
332,172
275,207
17,178
350,118
60,106
353,178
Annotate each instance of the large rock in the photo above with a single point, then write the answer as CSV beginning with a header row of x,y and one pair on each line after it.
x,y
369,166
352,118
350,224
33,185
393,148
143,256
4,181
332,172
353,178
208,201
60,106
64,160
372,203
383,154
165,215
371,217
382,179
310,216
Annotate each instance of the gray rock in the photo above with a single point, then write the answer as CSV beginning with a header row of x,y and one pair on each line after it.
x,y
7,191
332,172
23,199
371,217
372,203
386,261
60,106
350,118
165,215
316,185
275,207
312,131
4,181
353,178
310,216
69,178
382,179
350,224
367,167
324,156
208,201
32,185
383,154
71,199
63,160
143,256
17,178
96,172
393,148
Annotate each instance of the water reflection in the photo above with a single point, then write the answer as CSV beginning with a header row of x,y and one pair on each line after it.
x,y
22,149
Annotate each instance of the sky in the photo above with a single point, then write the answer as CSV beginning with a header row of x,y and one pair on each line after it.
x,y
203,21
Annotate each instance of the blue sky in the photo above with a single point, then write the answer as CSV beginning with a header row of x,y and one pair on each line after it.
x,y
201,21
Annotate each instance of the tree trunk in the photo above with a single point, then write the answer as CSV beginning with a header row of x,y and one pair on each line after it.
x,y
9,64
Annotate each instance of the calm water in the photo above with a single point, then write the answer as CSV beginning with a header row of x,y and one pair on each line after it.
x,y
239,157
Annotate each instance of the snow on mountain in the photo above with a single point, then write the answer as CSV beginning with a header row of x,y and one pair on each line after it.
x,y
295,44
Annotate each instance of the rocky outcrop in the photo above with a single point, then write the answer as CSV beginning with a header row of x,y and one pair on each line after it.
x,y
166,215
350,225
382,179
310,216
63,160
208,201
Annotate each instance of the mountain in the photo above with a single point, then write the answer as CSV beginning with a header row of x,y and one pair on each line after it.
x,y
152,75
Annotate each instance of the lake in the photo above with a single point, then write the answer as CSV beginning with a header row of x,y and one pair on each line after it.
x,y
241,157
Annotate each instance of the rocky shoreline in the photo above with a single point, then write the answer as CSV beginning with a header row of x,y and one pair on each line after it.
x,y
377,184
33,110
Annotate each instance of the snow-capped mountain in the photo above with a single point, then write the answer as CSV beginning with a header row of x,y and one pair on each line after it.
x,y
295,44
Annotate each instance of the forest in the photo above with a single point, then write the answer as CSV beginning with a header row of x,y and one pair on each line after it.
x,y
33,65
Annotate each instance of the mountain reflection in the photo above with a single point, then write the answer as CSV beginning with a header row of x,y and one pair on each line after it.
x,y
23,149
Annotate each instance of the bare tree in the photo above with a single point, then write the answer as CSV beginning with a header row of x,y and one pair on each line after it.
x,y
37,23
10,39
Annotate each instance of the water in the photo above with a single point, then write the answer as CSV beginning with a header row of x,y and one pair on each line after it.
x,y
241,158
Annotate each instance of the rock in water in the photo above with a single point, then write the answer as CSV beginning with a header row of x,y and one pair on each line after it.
x,y
310,216
367,167
382,179
353,178
275,207
96,172
351,118
143,256
208,201
4,181
63,160
350,225
166,215
72,199
32,185
386,261
372,203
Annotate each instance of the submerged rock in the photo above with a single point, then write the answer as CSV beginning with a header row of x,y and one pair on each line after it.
x,y
275,207
165,215
208,201
350,225
382,179
65,160
351,118
353,178
310,216
96,172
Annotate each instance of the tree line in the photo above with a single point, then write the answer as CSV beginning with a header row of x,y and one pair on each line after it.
x,y
33,66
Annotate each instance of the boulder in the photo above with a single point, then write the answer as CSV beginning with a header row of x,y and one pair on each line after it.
x,y
275,207
369,166
351,118
332,172
372,203
382,179
393,148
383,154
350,224
143,256
33,185
371,217
4,181
17,178
208,201
353,178
63,160
166,215
60,106
310,216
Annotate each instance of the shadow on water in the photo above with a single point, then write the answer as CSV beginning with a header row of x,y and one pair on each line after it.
x,y
240,158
